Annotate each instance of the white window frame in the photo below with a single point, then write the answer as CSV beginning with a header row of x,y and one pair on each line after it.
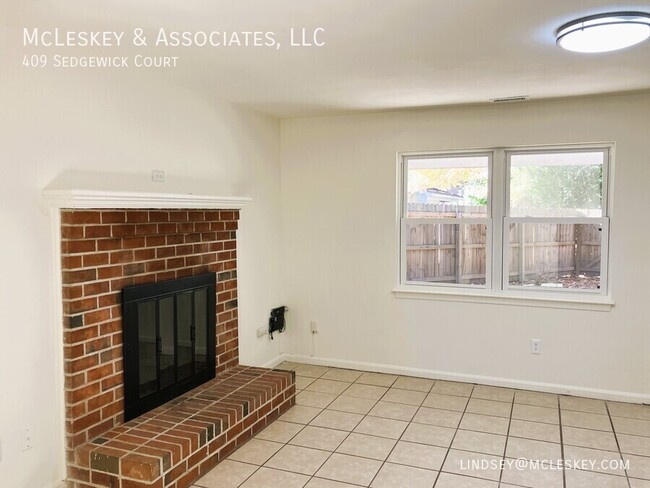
x,y
497,288
404,221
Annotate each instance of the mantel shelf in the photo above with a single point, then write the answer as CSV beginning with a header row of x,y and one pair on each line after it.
x,y
112,199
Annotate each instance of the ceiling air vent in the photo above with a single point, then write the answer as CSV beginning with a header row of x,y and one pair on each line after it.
x,y
519,98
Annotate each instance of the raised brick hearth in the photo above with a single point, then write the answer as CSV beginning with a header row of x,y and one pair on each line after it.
x,y
175,444
103,250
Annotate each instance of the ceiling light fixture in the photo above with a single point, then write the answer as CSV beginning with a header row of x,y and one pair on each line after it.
x,y
604,32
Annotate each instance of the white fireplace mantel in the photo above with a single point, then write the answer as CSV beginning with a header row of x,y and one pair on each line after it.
x,y
113,199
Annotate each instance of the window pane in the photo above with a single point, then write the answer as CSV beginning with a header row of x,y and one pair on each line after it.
x,y
167,353
555,256
447,187
201,324
184,334
446,253
147,348
556,184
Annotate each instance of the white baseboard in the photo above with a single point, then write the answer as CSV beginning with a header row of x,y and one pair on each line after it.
x,y
612,395
274,362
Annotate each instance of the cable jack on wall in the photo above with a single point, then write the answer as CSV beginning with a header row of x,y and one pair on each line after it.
x,y
277,322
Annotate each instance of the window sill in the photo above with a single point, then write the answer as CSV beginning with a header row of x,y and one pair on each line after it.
x,y
543,300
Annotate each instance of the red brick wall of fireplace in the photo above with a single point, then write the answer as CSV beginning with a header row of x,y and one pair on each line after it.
x,y
104,250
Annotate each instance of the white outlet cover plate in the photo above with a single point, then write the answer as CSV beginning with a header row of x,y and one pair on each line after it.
x,y
157,176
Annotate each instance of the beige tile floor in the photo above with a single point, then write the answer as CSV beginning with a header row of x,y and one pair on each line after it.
x,y
354,428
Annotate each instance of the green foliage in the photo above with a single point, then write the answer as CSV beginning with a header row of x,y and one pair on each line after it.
x,y
480,201
557,187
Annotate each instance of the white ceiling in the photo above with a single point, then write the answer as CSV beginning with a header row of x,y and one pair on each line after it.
x,y
379,54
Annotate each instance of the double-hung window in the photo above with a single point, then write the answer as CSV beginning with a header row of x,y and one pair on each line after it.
x,y
446,224
506,221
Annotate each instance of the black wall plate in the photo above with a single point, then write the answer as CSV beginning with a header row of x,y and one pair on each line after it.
x,y
276,321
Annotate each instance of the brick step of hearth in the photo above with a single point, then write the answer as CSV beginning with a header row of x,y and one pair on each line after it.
x,y
178,442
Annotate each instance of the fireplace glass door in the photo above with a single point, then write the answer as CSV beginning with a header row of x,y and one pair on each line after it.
x,y
169,340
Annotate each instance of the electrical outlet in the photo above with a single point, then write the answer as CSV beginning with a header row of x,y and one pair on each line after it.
x,y
536,346
27,438
157,176
262,331
313,326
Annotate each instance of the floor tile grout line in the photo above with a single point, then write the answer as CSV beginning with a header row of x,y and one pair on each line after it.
x,y
559,413
505,446
328,479
444,460
368,414
618,445
401,435
349,432
249,476
339,444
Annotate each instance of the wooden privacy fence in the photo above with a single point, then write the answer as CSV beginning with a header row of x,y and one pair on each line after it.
x,y
539,252
456,253
445,210
446,252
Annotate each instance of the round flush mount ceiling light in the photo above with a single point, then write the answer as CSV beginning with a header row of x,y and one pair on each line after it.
x,y
604,32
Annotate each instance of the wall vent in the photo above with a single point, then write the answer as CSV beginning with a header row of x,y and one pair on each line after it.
x,y
519,98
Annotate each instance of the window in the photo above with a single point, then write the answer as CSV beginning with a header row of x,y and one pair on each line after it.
x,y
506,221
447,218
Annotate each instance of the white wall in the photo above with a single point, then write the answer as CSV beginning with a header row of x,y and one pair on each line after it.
x,y
109,130
339,223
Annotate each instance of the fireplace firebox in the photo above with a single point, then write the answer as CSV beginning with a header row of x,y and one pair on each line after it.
x,y
169,340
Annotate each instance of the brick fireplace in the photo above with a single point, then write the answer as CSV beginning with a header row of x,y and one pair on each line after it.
x,y
102,251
